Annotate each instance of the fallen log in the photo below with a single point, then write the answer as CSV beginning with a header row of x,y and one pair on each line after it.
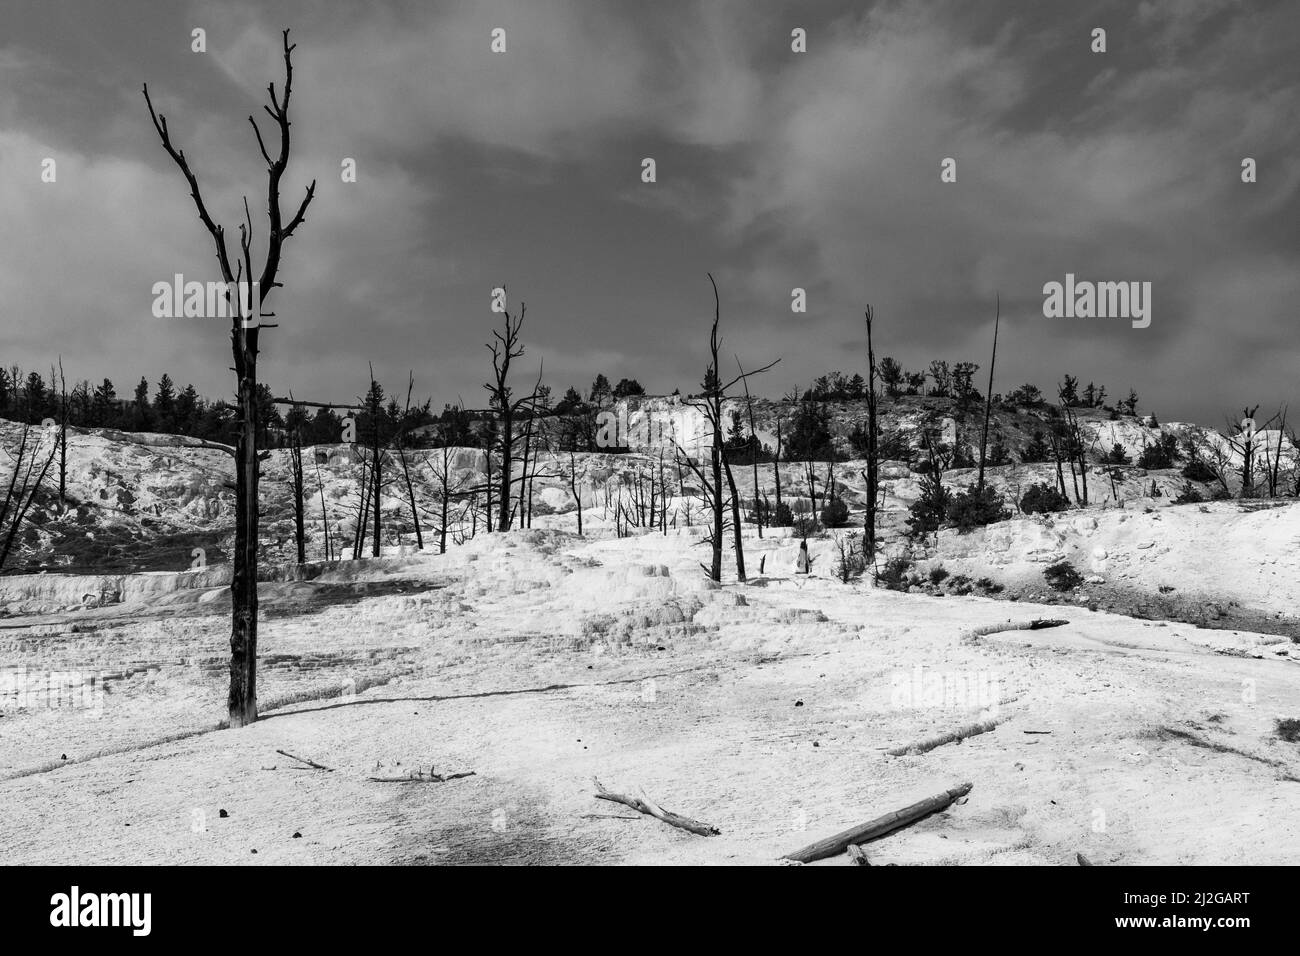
x,y
960,734
647,807
1037,624
432,778
837,844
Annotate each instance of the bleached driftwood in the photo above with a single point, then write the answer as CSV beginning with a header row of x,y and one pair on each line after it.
x,y
837,844
646,806
1038,624
431,778
858,855
961,733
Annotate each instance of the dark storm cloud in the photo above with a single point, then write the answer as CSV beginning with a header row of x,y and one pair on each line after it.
x,y
776,170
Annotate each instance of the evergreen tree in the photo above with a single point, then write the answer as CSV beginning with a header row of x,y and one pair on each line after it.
x,y
600,391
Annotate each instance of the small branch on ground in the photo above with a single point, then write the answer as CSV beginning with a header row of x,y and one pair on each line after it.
x,y
958,735
645,806
309,763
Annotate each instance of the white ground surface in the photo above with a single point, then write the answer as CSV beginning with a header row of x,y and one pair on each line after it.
x,y
538,660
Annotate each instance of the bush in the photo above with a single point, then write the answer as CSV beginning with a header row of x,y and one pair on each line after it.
x,y
986,584
1042,498
1198,470
1117,456
973,508
1063,576
1189,496
894,574
805,522
937,574
1287,728
960,585
1160,454
781,516
851,561
835,514
927,513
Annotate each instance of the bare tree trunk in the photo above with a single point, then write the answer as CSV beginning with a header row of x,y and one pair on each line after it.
x,y
296,484
776,462
242,699
873,448
735,523
988,398
753,451
324,515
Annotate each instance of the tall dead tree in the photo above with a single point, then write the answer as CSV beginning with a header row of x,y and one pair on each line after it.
x,y
710,404
406,471
988,397
873,447
324,515
244,334
753,447
296,486
62,423
505,349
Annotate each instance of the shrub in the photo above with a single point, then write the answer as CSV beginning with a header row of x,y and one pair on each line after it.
x,y
1062,576
781,516
937,574
1198,470
1287,728
851,561
805,523
1160,454
894,574
960,585
927,513
1117,456
1189,496
1036,450
835,514
973,508
1042,498
986,584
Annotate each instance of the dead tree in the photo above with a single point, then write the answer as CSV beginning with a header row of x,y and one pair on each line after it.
x,y
573,487
988,398
753,447
296,485
1246,447
324,515
374,405
363,511
62,423
448,487
873,448
21,489
505,349
406,471
244,335
1273,454
710,403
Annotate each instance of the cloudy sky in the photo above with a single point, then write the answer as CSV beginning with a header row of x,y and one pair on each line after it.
x,y
775,170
